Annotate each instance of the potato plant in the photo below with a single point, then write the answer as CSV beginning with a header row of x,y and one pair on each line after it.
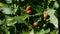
x,y
29,16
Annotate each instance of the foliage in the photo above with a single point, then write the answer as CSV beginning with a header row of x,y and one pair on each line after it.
x,y
14,18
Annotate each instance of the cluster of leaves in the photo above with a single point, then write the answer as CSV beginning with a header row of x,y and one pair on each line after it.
x,y
14,19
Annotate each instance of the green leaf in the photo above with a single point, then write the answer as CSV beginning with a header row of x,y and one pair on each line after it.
x,y
41,32
21,18
6,30
32,31
39,19
0,22
22,0
25,33
6,10
50,11
44,25
54,32
15,8
22,10
53,18
56,5
29,32
47,31
10,21
9,1
2,4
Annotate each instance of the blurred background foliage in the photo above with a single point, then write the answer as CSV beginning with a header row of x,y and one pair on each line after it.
x,y
15,20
